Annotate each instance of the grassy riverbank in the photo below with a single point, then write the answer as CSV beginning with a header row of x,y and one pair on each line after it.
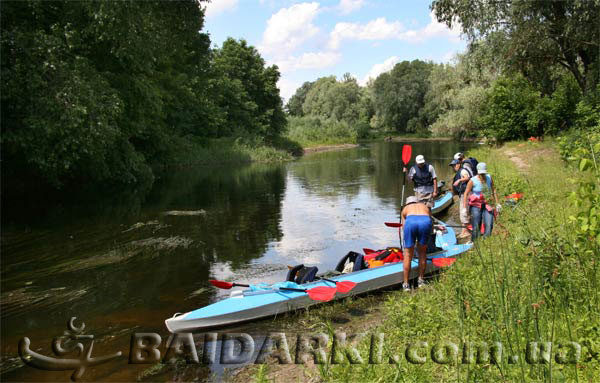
x,y
531,281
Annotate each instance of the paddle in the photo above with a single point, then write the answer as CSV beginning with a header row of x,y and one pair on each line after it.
x,y
321,293
406,154
341,286
443,262
393,224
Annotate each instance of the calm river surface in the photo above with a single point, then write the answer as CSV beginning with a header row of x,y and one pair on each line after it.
x,y
126,267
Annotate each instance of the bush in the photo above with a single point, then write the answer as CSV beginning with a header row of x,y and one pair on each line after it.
x,y
314,130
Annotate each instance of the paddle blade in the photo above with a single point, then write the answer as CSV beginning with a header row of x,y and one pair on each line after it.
x,y
221,284
443,262
345,286
393,224
368,251
406,153
321,293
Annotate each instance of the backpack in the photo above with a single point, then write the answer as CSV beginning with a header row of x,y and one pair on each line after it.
x,y
473,162
301,274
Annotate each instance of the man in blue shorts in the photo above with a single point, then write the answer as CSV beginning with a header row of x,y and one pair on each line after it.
x,y
416,223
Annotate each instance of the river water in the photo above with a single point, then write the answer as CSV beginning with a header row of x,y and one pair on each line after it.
x,y
125,267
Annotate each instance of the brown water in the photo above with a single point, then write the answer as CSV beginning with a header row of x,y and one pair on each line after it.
x,y
124,267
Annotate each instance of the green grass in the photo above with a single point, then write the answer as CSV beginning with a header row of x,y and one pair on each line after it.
x,y
530,281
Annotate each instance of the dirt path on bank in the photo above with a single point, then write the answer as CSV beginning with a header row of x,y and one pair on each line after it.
x,y
524,154
516,159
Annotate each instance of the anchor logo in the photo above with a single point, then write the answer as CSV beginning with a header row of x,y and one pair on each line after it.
x,y
61,346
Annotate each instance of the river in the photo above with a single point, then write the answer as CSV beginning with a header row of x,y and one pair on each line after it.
x,y
124,267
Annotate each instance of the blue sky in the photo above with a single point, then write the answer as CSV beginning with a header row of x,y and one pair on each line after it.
x,y
312,39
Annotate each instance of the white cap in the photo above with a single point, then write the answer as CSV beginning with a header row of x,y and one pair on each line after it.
x,y
482,168
420,159
458,156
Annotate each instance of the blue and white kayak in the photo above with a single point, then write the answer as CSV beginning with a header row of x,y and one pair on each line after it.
x,y
442,203
249,305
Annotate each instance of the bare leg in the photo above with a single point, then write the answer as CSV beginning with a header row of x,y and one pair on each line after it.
x,y
408,255
422,259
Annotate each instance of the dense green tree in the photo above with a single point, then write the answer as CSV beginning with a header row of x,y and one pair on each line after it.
x,y
513,110
341,100
249,96
94,91
532,35
294,104
399,95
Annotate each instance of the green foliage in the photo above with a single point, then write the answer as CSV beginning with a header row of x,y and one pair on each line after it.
x,y
96,92
294,105
583,150
511,110
250,100
533,36
399,96
310,131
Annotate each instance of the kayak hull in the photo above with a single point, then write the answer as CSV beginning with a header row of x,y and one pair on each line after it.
x,y
253,305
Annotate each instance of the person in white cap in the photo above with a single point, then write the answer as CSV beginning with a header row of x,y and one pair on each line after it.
x,y
480,190
416,229
425,180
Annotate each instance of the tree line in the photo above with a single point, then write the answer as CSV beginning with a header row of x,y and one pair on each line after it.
x,y
99,92
531,68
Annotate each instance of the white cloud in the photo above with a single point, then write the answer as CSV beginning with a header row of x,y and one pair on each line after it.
x,y
218,6
288,28
309,60
378,29
378,69
349,6
287,88
431,30
381,29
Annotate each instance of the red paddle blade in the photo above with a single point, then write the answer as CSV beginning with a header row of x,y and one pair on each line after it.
x,y
221,284
406,154
393,224
443,262
321,293
345,286
368,251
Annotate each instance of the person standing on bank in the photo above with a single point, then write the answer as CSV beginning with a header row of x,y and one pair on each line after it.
x,y
416,224
425,179
459,186
478,195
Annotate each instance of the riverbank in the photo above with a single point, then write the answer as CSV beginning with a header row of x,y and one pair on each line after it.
x,y
530,281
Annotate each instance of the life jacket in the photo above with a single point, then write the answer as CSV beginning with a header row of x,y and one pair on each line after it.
x,y
422,177
473,162
460,189
300,274
353,260
380,257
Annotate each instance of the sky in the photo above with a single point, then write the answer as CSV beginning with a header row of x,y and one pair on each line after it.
x,y
308,40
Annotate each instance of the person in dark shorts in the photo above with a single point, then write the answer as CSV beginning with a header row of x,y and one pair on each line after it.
x,y
416,223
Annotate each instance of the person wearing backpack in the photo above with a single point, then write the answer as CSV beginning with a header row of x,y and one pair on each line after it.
x,y
425,180
478,195
459,185
467,163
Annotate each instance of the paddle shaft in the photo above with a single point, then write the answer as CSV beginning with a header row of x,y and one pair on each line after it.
x,y
280,288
